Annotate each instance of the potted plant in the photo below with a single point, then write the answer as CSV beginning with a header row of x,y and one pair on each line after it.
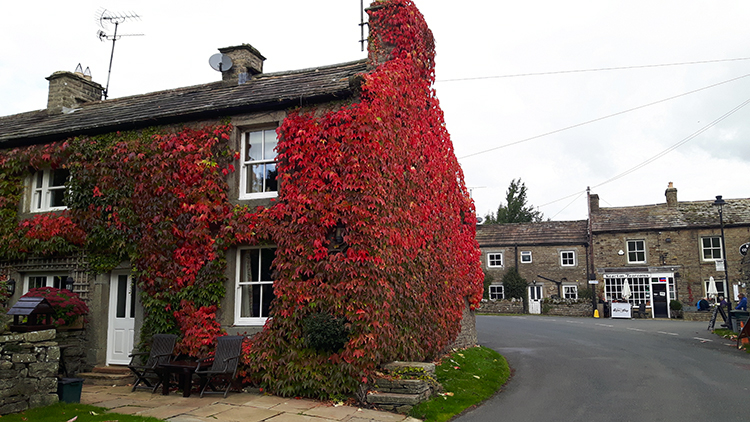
x,y
69,308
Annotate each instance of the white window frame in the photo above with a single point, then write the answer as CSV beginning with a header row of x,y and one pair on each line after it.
x,y
268,156
635,250
568,261
496,292
526,257
712,248
493,257
570,291
41,189
51,279
241,281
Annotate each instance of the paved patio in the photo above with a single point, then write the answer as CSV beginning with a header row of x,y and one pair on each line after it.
x,y
244,407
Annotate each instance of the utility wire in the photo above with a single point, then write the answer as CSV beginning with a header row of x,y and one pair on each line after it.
x,y
601,69
603,118
659,155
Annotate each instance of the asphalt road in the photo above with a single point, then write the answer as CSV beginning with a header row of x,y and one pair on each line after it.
x,y
598,370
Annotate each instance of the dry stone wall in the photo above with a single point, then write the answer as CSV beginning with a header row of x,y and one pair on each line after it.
x,y
28,370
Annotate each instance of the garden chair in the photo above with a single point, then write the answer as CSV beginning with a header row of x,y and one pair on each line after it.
x,y
162,346
224,366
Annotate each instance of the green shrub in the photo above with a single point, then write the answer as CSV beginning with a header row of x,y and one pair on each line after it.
x,y
675,305
325,333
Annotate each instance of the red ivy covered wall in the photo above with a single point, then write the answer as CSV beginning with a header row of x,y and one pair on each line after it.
x,y
384,169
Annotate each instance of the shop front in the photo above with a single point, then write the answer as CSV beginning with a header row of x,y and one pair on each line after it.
x,y
656,290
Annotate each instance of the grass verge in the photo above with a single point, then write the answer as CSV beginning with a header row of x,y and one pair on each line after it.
x,y
468,378
62,412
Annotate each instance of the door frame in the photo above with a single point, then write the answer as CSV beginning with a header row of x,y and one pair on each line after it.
x,y
111,358
535,305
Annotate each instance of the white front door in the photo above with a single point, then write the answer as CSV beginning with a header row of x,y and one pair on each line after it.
x,y
535,299
121,332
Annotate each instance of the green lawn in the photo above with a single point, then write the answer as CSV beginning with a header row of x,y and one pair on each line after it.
x,y
468,378
63,412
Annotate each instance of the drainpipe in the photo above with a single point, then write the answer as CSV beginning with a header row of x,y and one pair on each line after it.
x,y
590,253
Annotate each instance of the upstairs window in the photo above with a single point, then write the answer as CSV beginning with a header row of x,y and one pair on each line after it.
x,y
526,257
258,172
568,258
495,260
711,248
48,190
636,251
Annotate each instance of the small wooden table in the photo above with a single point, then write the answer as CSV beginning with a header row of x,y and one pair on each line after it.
x,y
185,370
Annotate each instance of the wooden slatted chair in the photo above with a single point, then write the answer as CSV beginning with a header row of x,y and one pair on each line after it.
x,y
162,346
224,366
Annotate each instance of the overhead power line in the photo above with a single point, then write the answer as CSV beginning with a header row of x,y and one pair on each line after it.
x,y
600,69
603,117
659,155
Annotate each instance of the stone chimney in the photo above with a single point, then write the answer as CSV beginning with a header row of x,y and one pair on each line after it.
x,y
68,90
671,194
594,202
246,62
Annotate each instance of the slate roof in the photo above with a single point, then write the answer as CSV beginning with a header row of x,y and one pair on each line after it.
x,y
661,217
532,234
265,91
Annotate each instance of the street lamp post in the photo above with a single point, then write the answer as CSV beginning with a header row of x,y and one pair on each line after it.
x,y
719,202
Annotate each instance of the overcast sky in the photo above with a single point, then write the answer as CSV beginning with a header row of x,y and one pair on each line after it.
x,y
480,45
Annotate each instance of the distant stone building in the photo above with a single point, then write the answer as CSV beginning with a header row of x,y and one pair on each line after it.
x,y
552,256
669,251
666,252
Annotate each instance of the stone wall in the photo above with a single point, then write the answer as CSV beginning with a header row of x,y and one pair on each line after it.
x,y
28,370
468,335
513,306
563,307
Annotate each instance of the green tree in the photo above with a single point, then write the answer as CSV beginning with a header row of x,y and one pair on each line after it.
x,y
514,285
515,209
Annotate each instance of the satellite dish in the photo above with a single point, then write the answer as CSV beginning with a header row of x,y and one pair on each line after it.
x,y
220,62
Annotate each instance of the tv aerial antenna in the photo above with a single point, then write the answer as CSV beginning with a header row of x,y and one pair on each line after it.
x,y
106,18
362,24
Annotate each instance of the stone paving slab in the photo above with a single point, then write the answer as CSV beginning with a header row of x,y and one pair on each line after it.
x,y
265,402
293,417
210,410
338,413
166,412
246,414
296,405
237,407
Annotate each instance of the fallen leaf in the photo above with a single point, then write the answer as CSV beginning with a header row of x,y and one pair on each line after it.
x,y
476,376
74,418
